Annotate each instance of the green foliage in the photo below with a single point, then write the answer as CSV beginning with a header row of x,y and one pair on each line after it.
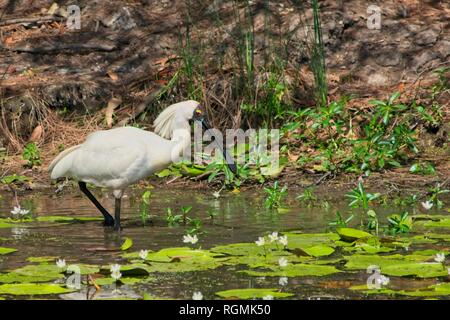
x,y
435,193
32,155
275,195
399,223
308,197
360,198
173,220
423,168
318,58
339,221
14,179
144,206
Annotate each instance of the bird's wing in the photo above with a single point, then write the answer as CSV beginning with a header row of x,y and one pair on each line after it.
x,y
106,163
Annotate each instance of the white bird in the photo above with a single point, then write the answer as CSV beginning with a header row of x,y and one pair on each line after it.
x,y
119,157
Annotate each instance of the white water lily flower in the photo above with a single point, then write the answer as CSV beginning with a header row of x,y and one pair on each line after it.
x,y
16,211
440,257
260,242
283,281
61,263
273,237
24,212
427,205
283,240
268,297
143,254
114,268
190,239
216,194
283,262
116,275
383,280
197,296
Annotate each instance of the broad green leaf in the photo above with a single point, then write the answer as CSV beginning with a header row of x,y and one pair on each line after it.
x,y
127,244
252,293
32,289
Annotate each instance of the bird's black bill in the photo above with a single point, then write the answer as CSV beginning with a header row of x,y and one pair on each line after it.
x,y
228,159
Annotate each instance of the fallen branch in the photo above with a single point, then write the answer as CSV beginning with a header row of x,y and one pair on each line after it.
x,y
42,19
65,46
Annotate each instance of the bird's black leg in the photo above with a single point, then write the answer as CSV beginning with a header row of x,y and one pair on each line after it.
x,y
109,220
117,214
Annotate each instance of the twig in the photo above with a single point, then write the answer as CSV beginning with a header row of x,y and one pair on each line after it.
x,y
41,19
65,46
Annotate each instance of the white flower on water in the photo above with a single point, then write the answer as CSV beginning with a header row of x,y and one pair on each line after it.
x,y
283,240
260,242
216,194
16,211
116,275
268,297
61,263
143,254
114,268
440,257
197,296
190,239
383,280
273,237
282,262
427,205
283,281
24,212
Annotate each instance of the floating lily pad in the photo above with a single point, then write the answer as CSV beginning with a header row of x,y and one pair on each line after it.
x,y
398,265
40,271
32,289
127,244
6,250
181,259
67,219
243,249
350,234
319,251
41,259
13,277
252,293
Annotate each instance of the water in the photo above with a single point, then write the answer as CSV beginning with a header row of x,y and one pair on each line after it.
x,y
240,218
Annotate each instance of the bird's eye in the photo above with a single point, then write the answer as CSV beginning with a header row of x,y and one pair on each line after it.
x,y
198,111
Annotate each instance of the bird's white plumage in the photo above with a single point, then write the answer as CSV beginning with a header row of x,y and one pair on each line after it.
x,y
119,157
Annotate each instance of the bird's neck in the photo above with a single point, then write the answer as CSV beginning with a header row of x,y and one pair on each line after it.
x,y
181,137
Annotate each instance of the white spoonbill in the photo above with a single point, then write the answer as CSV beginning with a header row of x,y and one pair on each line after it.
x,y
119,157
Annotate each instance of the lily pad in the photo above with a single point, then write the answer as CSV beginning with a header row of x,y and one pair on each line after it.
x,y
6,250
350,234
127,244
243,249
32,289
66,219
398,265
41,259
252,293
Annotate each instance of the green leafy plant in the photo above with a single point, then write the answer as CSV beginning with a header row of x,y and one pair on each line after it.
x,y
340,221
31,155
275,195
144,206
308,197
399,223
435,193
173,220
360,198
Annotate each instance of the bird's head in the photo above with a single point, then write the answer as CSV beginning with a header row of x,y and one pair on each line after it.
x,y
199,115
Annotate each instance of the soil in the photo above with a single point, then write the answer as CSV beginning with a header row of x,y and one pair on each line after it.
x,y
129,49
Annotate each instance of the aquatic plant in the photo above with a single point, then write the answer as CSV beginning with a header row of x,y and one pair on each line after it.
x,y
275,195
